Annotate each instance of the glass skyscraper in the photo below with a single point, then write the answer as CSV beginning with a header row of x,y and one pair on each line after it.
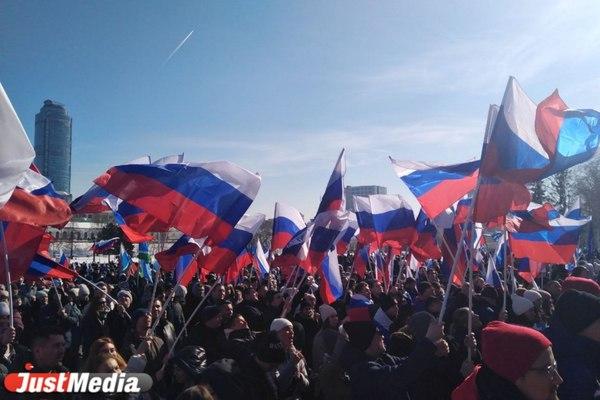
x,y
53,144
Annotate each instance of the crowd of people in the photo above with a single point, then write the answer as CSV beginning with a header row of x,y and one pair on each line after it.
x,y
272,337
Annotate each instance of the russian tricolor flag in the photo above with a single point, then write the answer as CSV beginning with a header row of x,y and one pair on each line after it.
x,y
180,258
333,198
204,199
91,202
437,187
331,287
225,253
426,245
361,260
326,231
528,269
35,202
347,235
555,245
384,218
64,261
104,245
287,222
234,270
260,259
132,235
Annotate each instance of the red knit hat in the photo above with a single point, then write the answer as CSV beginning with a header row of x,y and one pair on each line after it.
x,y
510,350
581,284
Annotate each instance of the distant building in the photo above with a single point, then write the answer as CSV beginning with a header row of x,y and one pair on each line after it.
x,y
361,191
53,144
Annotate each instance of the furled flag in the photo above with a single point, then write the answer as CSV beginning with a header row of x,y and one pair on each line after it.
x,y
437,187
225,253
333,198
385,218
591,243
16,152
199,199
35,202
350,232
181,258
330,287
42,266
145,261
287,222
555,245
295,251
426,245
492,277
452,237
131,234
124,259
64,260
361,260
22,244
260,259
102,246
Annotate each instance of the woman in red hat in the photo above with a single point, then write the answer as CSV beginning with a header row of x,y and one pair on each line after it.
x,y
518,363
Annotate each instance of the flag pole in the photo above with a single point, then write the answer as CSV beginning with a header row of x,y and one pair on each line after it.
x,y
168,301
7,274
190,318
96,286
505,267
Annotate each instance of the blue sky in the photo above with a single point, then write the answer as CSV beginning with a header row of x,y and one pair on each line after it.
x,y
280,87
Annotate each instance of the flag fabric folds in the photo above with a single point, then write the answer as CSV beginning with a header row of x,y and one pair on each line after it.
x,y
555,245
91,202
287,222
426,245
347,235
35,202
361,260
22,244
260,259
103,246
132,235
16,152
528,269
385,218
225,253
180,258
326,231
570,137
64,261
330,286
200,199
437,187
42,266
333,198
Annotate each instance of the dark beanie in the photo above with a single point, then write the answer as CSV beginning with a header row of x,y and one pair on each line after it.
x,y
137,314
209,313
387,302
191,359
577,310
269,349
510,350
418,324
360,333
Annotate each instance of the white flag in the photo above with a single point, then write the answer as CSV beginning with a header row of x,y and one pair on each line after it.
x,y
16,152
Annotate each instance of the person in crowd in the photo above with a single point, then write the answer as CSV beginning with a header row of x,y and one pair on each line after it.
x,y
94,322
386,314
575,335
250,309
101,347
325,340
207,334
518,363
523,311
292,379
118,319
164,328
140,340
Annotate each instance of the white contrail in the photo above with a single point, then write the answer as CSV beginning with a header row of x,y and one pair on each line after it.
x,y
178,47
